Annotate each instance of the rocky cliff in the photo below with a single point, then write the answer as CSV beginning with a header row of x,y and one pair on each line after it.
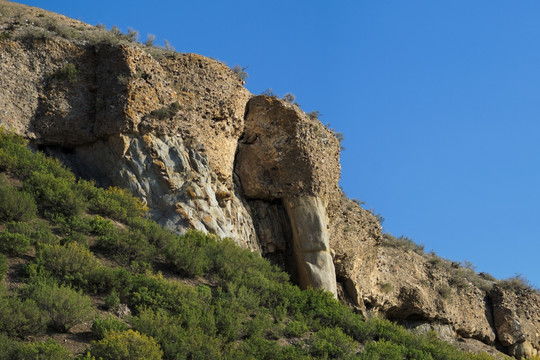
x,y
184,135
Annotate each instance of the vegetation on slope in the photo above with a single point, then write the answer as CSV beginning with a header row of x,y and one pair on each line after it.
x,y
86,250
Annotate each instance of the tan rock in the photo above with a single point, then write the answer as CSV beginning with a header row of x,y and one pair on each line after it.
x,y
310,243
517,317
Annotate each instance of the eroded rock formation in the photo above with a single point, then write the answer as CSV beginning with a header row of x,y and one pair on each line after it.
x,y
183,134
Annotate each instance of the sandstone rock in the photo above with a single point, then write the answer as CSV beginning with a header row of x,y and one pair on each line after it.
x,y
522,350
517,318
311,244
285,153
175,181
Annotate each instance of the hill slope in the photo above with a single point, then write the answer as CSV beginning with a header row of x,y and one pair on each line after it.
x,y
186,138
85,269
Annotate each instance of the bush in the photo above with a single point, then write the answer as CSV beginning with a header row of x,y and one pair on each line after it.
x,y
55,195
13,244
15,205
21,317
289,98
383,350
166,112
402,242
155,233
17,158
4,35
127,246
38,233
516,283
113,202
44,350
65,306
177,340
72,263
68,73
100,226
240,72
112,300
3,267
100,327
189,253
295,329
126,345
332,343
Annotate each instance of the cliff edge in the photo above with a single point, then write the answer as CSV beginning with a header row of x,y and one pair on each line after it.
x,y
184,135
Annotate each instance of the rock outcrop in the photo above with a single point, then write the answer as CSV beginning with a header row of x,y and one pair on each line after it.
x,y
185,136
288,157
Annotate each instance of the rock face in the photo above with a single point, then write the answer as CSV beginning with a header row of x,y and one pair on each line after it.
x,y
287,157
184,135
517,320
311,245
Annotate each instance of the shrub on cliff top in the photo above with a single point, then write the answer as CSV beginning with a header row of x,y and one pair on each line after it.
x,y
517,283
240,72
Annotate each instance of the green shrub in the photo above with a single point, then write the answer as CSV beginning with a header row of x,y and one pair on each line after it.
x,y
386,287
3,267
69,225
55,195
177,340
65,306
33,33
314,115
155,233
21,317
127,246
75,237
295,328
382,350
154,292
105,279
13,244
445,291
68,73
166,112
332,343
37,232
516,283
17,158
126,345
9,348
189,253
15,205
402,242
72,263
112,300
113,202
4,35
100,327
100,226
44,350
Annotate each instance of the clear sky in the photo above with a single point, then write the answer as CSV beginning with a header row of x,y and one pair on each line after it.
x,y
439,102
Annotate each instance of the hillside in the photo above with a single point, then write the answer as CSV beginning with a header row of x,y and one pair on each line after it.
x,y
200,153
86,274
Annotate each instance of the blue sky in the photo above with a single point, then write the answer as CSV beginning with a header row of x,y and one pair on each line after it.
x,y
439,103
